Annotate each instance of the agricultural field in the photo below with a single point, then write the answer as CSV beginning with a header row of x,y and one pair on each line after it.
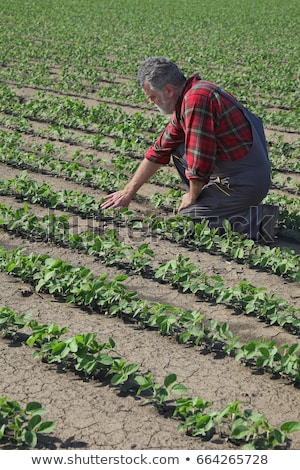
x,y
135,329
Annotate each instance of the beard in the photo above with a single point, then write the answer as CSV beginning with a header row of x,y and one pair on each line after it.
x,y
166,107
163,110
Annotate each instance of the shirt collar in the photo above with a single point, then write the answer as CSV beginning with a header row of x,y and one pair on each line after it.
x,y
191,81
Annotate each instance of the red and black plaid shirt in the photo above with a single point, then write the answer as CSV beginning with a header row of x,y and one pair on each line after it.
x,y
211,127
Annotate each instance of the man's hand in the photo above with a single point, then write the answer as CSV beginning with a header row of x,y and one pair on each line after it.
x,y
117,199
191,197
123,197
186,201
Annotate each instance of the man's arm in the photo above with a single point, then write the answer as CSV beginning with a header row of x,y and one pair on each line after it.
x,y
122,198
191,197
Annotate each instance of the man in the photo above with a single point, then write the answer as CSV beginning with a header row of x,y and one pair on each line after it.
x,y
217,145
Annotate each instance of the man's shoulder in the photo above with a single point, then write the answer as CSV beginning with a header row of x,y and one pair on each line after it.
x,y
204,86
201,90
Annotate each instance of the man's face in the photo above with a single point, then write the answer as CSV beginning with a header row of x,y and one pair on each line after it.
x,y
164,100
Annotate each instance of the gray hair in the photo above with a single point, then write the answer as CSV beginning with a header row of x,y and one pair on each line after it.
x,y
159,72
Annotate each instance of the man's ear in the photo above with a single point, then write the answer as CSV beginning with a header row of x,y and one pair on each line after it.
x,y
169,91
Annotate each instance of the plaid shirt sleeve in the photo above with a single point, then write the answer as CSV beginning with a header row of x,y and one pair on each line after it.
x,y
211,128
170,138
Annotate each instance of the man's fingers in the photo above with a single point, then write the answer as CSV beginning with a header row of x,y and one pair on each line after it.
x,y
108,196
113,201
110,200
109,204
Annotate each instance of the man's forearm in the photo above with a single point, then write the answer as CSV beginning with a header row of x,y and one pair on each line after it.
x,y
195,189
123,197
145,170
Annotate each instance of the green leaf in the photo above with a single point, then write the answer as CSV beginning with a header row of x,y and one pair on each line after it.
x,y
104,359
240,431
120,277
59,347
73,346
33,422
2,431
278,436
30,438
290,426
179,389
34,407
46,427
131,369
118,378
169,380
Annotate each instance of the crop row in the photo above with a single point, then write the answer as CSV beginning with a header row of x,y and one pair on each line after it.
x,y
110,179
73,113
80,287
111,121
114,252
232,245
84,355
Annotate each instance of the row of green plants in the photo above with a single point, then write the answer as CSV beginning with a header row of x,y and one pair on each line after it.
x,y
114,122
280,261
80,287
245,297
108,180
230,244
181,272
101,178
38,157
84,355
86,168
283,156
74,113
54,132
48,157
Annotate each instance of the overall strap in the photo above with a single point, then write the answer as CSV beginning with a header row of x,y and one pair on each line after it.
x,y
203,84
255,121
230,98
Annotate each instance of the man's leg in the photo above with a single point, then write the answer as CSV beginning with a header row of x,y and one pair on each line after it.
x,y
268,221
219,201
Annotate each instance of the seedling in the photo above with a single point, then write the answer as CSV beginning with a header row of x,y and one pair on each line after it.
x,y
22,426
